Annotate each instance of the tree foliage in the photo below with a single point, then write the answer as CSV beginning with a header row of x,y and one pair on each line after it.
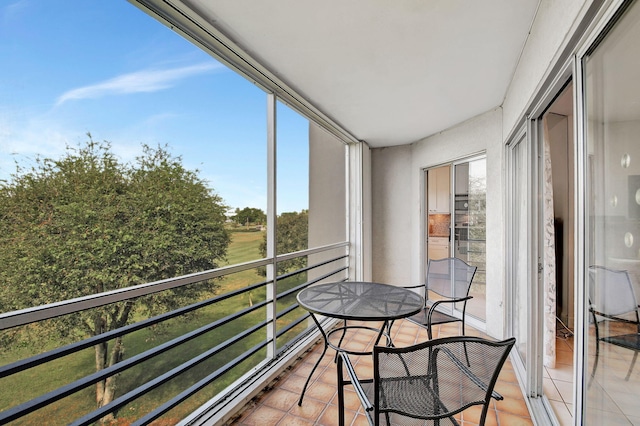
x,y
292,236
88,223
249,215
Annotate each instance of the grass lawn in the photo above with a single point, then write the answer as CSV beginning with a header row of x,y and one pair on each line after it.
x,y
32,383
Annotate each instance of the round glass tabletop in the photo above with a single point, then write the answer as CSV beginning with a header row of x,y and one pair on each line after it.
x,y
355,300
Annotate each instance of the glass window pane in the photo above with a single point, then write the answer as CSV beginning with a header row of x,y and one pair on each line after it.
x,y
292,156
613,125
470,228
184,131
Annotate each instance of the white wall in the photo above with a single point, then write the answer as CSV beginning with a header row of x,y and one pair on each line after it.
x,y
393,201
327,198
554,21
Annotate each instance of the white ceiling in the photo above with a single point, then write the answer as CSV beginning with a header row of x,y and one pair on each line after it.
x,y
389,72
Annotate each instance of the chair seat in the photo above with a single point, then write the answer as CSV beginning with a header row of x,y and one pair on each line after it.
x,y
628,341
436,318
409,396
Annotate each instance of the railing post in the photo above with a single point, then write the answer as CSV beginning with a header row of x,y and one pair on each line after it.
x,y
272,214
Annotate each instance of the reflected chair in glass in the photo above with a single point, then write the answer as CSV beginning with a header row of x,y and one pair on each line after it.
x,y
429,381
448,282
612,302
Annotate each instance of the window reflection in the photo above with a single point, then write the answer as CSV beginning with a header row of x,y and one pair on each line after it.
x,y
613,125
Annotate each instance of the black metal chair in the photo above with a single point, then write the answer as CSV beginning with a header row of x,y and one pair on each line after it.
x,y
448,281
612,300
429,381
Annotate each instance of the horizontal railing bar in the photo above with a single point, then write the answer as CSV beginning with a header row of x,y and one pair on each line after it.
x,y
286,311
9,369
308,283
198,386
57,394
52,310
302,334
308,268
56,309
307,252
292,324
290,327
153,384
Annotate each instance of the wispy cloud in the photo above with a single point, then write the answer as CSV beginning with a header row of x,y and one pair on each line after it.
x,y
136,82
10,11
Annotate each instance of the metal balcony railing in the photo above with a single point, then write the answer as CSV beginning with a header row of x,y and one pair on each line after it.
x,y
233,347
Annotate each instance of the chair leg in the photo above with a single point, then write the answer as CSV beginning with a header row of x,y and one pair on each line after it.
x,y
340,392
633,363
595,362
344,333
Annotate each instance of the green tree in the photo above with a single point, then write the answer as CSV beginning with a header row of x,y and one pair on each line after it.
x,y
87,223
292,236
249,215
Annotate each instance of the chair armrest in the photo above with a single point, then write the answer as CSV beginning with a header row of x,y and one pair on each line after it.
x,y
413,286
354,381
438,302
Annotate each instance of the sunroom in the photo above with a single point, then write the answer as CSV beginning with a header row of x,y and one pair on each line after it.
x,y
320,141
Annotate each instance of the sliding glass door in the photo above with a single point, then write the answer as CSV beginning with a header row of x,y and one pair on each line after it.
x,y
612,209
456,222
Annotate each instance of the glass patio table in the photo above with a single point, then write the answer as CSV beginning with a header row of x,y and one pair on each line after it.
x,y
357,301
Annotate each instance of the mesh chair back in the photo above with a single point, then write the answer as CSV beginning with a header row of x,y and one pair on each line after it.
x,y
434,380
610,291
450,277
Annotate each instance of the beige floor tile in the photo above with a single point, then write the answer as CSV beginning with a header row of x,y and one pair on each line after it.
x,y
550,390
264,415
565,389
562,413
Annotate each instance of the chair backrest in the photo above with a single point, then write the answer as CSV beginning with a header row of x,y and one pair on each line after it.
x,y
611,292
437,378
449,277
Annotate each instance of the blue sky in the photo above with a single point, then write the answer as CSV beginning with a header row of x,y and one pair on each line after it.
x,y
75,66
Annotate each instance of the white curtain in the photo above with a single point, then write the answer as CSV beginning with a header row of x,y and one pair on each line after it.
x,y
549,357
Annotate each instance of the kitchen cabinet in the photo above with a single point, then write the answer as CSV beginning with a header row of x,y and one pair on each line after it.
x,y
462,179
438,247
439,190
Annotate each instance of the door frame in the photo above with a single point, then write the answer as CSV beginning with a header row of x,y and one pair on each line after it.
x,y
472,321
530,132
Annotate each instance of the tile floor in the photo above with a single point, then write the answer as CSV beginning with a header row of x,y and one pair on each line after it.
x,y
557,382
278,404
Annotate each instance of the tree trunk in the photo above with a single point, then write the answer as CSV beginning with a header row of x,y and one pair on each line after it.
x,y
101,360
106,389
